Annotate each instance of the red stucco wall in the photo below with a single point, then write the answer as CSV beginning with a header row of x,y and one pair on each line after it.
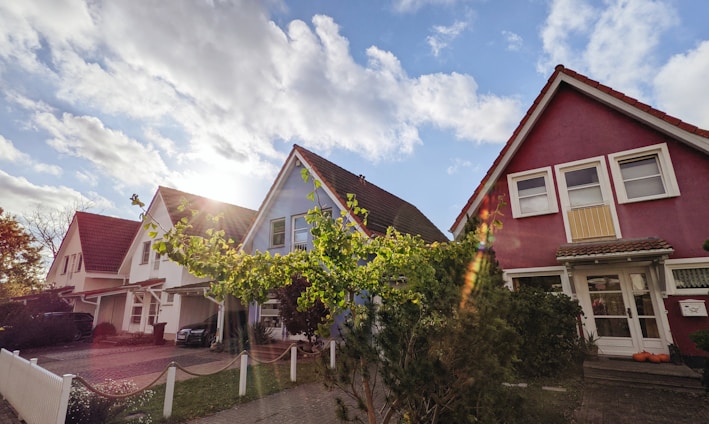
x,y
682,326
575,127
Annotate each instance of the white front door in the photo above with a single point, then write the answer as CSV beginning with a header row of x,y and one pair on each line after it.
x,y
622,307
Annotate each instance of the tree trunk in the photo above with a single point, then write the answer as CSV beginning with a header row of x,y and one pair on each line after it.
x,y
367,393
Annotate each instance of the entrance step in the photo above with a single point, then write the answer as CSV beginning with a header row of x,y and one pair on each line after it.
x,y
625,372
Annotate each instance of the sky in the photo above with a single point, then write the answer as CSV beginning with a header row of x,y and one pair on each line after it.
x,y
103,99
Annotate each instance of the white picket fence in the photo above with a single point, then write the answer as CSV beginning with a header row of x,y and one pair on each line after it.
x,y
39,396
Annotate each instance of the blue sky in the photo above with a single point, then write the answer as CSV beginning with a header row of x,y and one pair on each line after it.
x,y
100,100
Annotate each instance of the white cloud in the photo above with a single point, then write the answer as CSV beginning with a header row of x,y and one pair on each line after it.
x,y
514,41
614,44
414,5
678,82
443,35
111,152
20,196
229,91
457,164
9,153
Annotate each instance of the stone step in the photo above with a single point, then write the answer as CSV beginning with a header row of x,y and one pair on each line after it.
x,y
637,374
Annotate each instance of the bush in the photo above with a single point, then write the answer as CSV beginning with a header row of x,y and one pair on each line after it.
x,y
547,327
104,329
86,407
260,334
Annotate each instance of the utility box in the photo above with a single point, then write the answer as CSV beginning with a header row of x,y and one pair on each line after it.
x,y
693,308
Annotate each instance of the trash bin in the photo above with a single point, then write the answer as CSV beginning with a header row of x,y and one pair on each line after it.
x,y
159,332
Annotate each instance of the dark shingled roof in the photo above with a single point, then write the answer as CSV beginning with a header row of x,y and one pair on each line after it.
x,y
235,221
385,209
105,240
650,245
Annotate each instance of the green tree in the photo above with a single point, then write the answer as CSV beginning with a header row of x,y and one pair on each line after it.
x,y
20,259
413,313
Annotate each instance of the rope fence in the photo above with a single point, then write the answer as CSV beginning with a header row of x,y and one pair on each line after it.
x,y
243,357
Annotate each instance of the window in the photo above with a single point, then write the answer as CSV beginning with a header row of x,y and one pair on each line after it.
x,y
156,263
270,315
278,232
532,193
584,187
300,233
691,278
146,253
65,267
137,311
587,200
168,298
548,283
643,174
79,262
687,276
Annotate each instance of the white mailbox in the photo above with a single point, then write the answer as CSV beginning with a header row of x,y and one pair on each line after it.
x,y
693,308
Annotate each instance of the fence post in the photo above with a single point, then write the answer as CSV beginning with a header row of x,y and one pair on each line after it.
x,y
242,373
169,391
293,362
332,354
64,398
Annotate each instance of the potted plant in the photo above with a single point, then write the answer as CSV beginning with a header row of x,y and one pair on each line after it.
x,y
590,348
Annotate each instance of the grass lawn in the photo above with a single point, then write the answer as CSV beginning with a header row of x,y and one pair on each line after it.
x,y
201,396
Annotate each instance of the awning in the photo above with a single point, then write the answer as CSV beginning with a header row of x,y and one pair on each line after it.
x,y
91,294
196,289
610,250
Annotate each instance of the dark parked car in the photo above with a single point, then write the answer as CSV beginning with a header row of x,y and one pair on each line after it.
x,y
203,333
81,323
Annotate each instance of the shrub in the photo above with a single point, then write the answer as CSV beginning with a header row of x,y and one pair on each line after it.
x,y
104,329
547,327
87,407
260,334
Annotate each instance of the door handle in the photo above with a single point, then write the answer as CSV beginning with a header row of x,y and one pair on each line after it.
x,y
630,314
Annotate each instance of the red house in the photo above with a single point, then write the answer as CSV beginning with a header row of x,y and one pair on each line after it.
x,y
605,199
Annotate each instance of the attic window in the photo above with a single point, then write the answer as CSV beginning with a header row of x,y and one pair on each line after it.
x,y
145,258
278,232
79,262
643,174
532,193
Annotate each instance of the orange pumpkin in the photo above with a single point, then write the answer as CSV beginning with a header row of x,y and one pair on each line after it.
x,y
664,357
641,356
655,359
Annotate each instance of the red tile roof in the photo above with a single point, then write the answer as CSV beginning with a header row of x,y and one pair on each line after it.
x,y
649,245
560,69
235,222
385,209
105,240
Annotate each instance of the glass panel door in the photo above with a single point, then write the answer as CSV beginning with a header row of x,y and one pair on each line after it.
x,y
623,312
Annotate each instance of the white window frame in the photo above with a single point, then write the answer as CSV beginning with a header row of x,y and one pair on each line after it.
x,y
664,162
604,181
272,233
514,178
145,254
671,284
167,298
561,271
65,265
294,230
79,262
